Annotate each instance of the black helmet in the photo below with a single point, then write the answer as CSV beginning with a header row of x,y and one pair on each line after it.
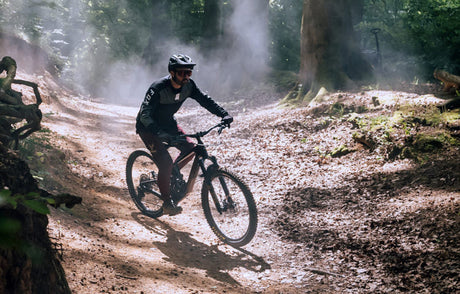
x,y
180,60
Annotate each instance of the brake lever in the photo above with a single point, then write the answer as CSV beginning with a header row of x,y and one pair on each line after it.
x,y
221,128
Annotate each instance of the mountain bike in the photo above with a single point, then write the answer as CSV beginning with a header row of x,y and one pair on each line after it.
x,y
227,202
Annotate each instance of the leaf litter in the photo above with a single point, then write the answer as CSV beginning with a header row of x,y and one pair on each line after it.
x,y
357,223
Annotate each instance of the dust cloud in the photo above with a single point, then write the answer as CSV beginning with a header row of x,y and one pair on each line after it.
x,y
239,60
85,62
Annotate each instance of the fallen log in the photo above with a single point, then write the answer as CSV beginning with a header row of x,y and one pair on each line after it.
x,y
450,81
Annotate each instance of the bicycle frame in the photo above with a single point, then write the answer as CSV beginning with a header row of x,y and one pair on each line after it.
x,y
201,155
227,201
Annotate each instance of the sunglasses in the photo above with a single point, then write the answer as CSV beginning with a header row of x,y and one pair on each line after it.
x,y
184,72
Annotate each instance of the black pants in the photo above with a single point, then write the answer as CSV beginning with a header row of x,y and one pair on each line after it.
x,y
163,158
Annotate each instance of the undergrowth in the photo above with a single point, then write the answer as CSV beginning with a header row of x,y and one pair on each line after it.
x,y
408,131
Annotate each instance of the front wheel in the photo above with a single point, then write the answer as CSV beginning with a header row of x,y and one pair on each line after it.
x,y
229,207
141,177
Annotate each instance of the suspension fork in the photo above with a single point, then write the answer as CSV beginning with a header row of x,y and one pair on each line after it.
x,y
209,185
221,179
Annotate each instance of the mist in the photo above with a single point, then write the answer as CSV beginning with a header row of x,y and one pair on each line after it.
x,y
86,62
239,61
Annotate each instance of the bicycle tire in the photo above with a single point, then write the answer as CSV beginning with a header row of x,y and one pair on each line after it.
x,y
141,173
236,225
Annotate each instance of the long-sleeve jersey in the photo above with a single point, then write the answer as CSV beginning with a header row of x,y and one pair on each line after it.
x,y
162,101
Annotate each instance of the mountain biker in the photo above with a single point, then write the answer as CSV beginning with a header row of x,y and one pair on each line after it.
x,y
155,122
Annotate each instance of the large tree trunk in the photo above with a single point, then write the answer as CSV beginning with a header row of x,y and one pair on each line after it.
x,y
330,54
28,260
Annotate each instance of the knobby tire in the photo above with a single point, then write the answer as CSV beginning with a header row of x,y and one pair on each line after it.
x,y
142,187
237,225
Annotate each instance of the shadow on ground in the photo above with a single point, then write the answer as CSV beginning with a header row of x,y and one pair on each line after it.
x,y
183,250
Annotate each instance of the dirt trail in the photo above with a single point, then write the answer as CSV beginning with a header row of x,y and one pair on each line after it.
x,y
326,225
109,247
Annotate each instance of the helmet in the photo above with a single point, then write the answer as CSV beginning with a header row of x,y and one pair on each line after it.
x,y
180,60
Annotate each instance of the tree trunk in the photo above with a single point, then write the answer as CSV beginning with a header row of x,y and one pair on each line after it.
x,y
28,260
330,54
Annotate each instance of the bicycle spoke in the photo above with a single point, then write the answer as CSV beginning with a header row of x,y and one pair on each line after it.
x,y
141,177
231,209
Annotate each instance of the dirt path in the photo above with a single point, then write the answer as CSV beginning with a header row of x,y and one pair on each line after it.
x,y
327,225
109,247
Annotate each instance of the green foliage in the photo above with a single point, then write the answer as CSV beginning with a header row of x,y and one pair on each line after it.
x,y
411,132
431,142
10,228
341,151
436,24
86,37
416,36
32,201
424,115
284,26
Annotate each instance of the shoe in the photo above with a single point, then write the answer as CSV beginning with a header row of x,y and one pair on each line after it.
x,y
171,208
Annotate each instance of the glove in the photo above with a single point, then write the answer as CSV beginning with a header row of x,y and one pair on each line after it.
x,y
227,120
164,136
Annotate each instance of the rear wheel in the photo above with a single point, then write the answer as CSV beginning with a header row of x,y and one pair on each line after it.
x,y
229,208
141,177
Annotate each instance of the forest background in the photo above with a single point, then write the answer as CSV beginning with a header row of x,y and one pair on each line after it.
x,y
114,49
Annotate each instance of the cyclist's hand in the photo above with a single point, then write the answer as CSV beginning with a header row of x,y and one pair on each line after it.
x,y
178,140
227,120
165,137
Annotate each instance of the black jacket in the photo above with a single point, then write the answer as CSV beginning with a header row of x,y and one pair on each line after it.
x,y
162,101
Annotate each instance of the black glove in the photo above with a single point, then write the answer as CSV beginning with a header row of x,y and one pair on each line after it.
x,y
165,137
227,120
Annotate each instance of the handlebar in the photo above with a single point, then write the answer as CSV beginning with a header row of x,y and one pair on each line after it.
x,y
180,138
221,126
197,135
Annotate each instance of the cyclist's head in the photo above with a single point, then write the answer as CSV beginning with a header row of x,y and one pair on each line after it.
x,y
180,61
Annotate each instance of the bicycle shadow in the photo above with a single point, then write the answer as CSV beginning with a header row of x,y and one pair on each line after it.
x,y
183,250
